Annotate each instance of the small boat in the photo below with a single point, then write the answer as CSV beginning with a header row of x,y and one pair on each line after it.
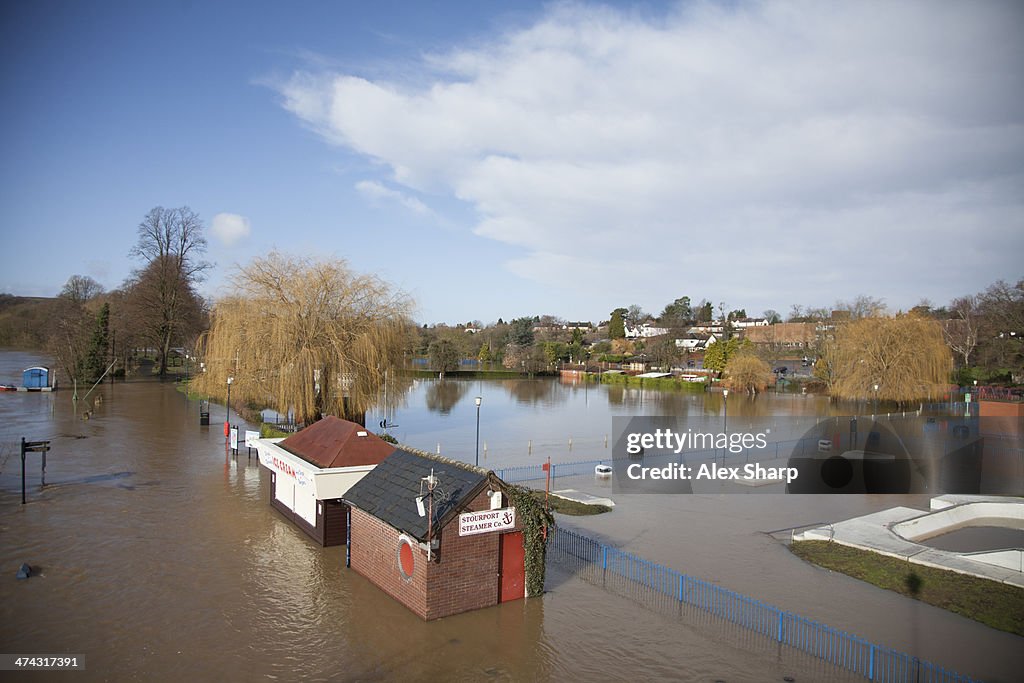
x,y
603,470
8,387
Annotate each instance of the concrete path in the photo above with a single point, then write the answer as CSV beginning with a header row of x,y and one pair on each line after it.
x,y
875,532
580,497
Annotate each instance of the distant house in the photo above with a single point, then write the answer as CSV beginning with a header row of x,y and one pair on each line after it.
x,y
745,323
784,335
439,536
644,331
696,342
578,325
707,328
638,363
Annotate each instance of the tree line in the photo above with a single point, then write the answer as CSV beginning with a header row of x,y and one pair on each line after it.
x,y
89,331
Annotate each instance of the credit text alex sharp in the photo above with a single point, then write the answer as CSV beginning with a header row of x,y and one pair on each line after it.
x,y
713,471
669,440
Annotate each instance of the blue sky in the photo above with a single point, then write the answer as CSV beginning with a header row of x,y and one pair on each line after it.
x,y
500,159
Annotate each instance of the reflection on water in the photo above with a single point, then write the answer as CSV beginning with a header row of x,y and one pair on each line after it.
x,y
159,557
443,395
524,421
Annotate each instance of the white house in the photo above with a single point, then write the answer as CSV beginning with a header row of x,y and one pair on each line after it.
x,y
696,342
644,331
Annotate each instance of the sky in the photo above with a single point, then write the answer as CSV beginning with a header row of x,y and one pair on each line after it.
x,y
497,159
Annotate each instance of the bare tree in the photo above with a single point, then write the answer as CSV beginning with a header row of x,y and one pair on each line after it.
x,y
151,319
73,319
171,245
68,337
635,316
309,336
862,306
1002,308
961,330
80,288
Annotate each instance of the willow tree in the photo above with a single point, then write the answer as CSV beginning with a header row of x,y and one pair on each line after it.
x,y
746,372
903,358
307,336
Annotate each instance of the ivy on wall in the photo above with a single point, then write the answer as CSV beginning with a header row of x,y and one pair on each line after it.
x,y
535,520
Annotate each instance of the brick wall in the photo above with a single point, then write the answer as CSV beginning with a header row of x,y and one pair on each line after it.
x,y
374,554
1002,418
462,577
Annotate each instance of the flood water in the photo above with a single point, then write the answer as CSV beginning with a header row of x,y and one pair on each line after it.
x,y
978,538
523,421
158,557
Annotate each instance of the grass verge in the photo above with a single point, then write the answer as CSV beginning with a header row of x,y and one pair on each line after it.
x,y
994,604
571,507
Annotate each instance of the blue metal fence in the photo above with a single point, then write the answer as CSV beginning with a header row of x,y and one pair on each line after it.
x,y
836,647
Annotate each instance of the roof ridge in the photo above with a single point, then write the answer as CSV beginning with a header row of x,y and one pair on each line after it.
x,y
446,461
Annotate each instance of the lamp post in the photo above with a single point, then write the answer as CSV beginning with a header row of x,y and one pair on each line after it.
x,y
876,401
227,418
478,400
725,418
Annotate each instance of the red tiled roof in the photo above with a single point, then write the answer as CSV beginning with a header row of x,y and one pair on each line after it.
x,y
333,442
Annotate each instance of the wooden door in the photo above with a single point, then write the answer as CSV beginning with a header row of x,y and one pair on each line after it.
x,y
512,580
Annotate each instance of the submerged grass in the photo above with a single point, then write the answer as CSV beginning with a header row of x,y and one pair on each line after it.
x,y
994,604
570,507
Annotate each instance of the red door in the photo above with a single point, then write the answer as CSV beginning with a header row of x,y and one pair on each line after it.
x,y
512,582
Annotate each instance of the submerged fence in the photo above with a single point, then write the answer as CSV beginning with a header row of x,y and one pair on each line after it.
x,y
841,649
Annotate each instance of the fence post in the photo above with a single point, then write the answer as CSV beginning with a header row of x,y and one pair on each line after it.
x,y
680,588
604,559
781,614
871,663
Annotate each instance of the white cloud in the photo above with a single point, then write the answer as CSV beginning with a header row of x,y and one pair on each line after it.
x,y
715,143
230,227
378,193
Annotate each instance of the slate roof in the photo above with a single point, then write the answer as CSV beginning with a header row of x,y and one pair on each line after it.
x,y
389,491
333,442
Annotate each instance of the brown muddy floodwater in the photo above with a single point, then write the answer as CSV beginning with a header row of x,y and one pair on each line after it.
x,y
158,557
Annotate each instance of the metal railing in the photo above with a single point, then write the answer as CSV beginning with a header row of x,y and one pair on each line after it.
x,y
839,648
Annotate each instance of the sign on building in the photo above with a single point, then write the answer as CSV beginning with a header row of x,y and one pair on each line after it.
x,y
486,521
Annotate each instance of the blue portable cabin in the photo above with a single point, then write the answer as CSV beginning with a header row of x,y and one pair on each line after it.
x,y
36,378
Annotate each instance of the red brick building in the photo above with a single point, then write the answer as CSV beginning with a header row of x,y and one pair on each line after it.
x,y
463,553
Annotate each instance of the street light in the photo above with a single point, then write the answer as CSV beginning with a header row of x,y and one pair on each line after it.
x,y
478,400
227,418
725,419
876,401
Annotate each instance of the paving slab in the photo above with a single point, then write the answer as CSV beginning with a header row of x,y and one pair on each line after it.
x,y
581,497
